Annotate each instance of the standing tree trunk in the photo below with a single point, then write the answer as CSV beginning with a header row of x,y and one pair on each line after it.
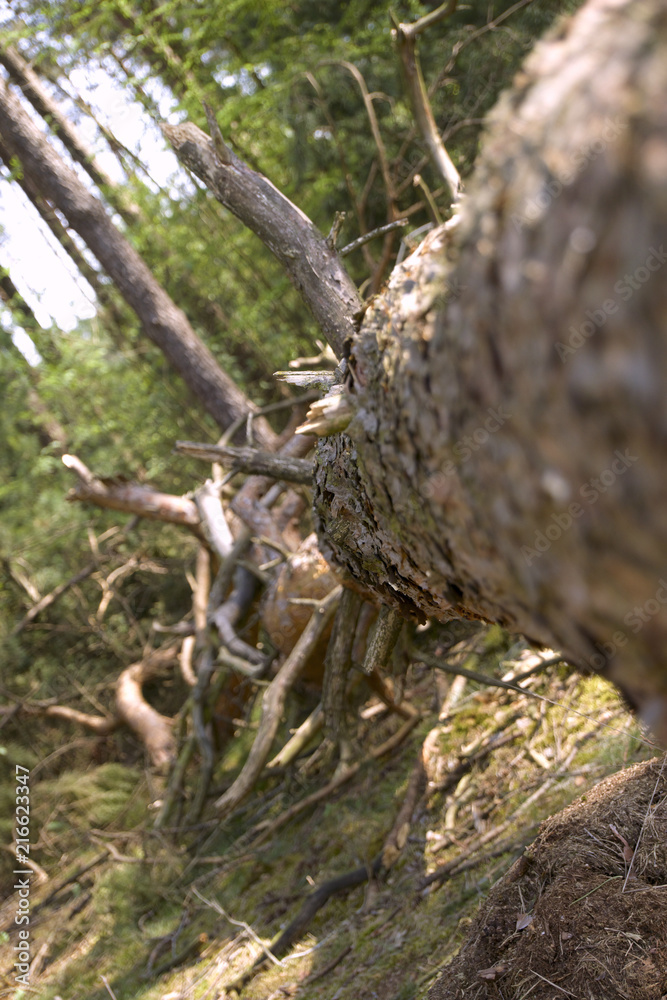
x,y
506,454
34,90
163,322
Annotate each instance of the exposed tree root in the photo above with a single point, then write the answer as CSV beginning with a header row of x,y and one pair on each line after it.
x,y
154,730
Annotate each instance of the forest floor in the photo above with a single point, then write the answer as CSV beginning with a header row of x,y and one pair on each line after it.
x,y
120,910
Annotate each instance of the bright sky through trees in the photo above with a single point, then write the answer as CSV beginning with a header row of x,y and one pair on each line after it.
x,y
41,270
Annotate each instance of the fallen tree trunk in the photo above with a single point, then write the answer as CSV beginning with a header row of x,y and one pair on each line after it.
x,y
505,454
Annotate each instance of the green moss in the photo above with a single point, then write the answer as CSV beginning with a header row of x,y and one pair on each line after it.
x,y
98,796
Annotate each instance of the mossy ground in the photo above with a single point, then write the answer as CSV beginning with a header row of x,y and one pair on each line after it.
x,y
145,907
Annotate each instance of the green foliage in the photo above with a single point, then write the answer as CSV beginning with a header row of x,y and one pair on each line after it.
x,y
99,796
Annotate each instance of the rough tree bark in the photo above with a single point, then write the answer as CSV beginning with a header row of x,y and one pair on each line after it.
x,y
163,322
505,458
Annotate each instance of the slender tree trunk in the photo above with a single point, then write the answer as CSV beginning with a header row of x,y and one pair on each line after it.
x,y
104,293
34,90
506,454
163,322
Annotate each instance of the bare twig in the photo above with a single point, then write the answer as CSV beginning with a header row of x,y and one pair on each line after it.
x,y
53,596
273,701
293,470
299,739
367,237
406,35
214,905
375,130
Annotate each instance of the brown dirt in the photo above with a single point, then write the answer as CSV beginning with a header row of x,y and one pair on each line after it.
x,y
597,932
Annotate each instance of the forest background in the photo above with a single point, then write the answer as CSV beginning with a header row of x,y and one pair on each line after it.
x,y
310,94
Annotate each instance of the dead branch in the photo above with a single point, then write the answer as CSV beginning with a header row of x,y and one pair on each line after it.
x,y
53,596
213,520
226,617
154,730
273,702
131,498
299,739
405,35
200,594
313,267
263,463
98,723
225,574
185,660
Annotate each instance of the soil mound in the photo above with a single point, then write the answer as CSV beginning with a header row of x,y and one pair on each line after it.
x,y
583,913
